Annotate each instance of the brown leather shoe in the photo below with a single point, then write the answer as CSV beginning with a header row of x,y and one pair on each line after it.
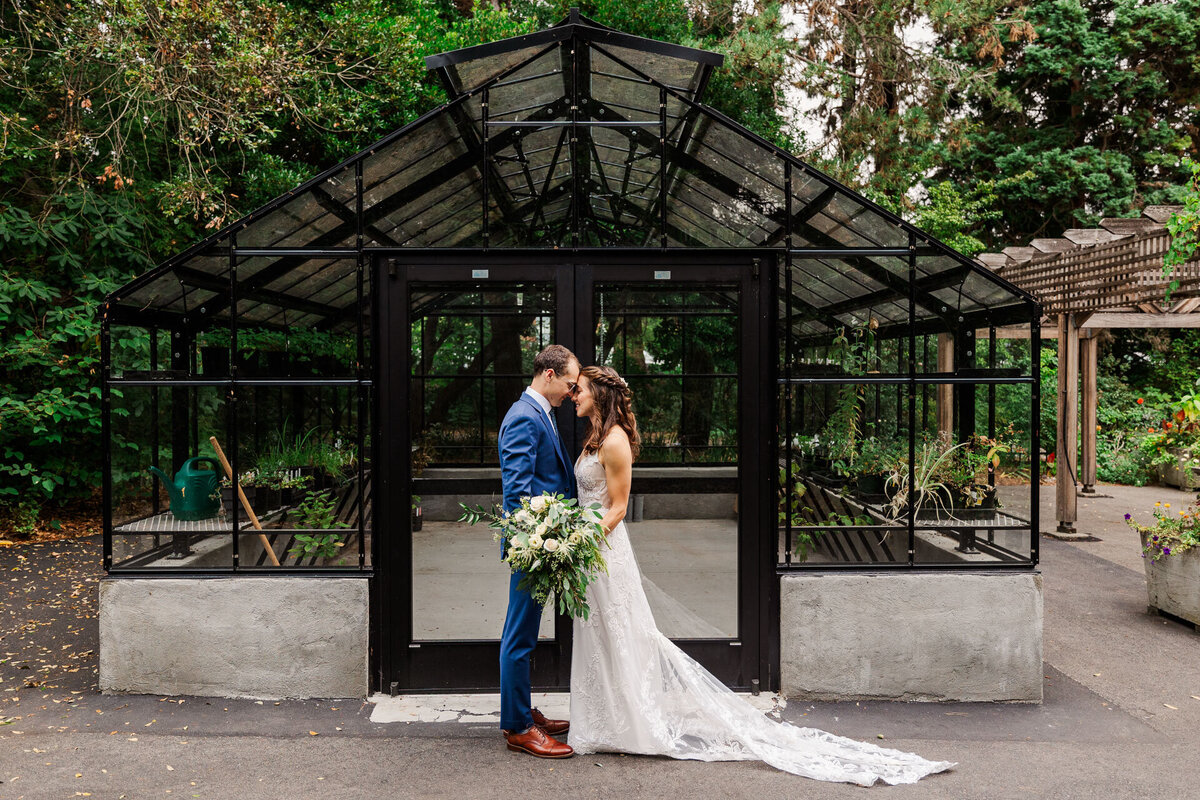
x,y
536,742
554,727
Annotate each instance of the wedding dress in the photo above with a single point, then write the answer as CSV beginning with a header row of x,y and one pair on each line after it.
x,y
634,691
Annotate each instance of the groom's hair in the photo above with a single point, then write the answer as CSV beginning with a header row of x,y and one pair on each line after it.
x,y
555,357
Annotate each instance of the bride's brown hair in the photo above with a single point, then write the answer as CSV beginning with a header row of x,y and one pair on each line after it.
x,y
612,408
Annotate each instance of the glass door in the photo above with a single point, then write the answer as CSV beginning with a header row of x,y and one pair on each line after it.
x,y
457,337
468,334
675,332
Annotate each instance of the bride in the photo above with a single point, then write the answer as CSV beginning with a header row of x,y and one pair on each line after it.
x,y
632,689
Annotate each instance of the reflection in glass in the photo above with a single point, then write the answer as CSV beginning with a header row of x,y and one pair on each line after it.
x,y
472,355
678,350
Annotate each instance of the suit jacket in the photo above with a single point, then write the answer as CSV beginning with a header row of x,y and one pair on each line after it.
x,y
533,458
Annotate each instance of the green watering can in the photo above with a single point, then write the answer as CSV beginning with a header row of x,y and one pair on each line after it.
x,y
194,492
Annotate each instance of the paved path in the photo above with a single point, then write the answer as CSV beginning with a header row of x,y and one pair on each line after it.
x,y
1120,717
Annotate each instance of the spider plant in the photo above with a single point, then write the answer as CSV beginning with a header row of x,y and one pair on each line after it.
x,y
932,457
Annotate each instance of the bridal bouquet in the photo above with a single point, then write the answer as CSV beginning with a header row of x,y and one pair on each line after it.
x,y
554,542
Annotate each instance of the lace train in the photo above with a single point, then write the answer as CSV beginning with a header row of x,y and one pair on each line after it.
x,y
634,691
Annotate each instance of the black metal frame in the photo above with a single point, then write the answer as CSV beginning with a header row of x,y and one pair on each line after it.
x,y
412,665
771,216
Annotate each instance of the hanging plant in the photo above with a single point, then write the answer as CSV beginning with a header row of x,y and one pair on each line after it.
x,y
1184,227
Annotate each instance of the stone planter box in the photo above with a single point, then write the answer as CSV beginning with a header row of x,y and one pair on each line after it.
x,y
1173,585
1184,472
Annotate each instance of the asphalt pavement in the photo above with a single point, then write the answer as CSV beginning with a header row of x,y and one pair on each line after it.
x,y
1121,716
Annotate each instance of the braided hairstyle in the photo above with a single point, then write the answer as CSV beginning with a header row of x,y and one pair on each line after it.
x,y
612,408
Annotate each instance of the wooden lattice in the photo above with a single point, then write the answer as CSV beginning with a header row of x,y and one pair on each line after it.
x,y
1115,268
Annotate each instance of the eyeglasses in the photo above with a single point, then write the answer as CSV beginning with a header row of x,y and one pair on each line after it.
x,y
572,386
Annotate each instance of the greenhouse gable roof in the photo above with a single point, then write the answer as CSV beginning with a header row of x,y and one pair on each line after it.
x,y
578,136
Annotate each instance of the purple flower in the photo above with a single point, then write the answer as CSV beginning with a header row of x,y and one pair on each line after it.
x,y
1166,551
1155,538
1128,517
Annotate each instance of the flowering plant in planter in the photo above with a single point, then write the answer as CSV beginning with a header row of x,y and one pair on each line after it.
x,y
1171,533
1174,443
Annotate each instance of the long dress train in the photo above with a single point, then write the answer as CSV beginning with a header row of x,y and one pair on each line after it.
x,y
634,691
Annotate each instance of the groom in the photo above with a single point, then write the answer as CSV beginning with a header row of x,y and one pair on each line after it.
x,y
533,460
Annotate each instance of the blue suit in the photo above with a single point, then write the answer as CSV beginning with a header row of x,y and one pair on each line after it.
x,y
533,460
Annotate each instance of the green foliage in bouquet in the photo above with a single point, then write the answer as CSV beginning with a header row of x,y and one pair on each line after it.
x,y
554,543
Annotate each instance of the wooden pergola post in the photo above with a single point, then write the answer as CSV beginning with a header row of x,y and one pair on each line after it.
x,y
1087,368
945,391
1068,423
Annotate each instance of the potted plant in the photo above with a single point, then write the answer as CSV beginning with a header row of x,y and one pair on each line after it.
x,y
1173,447
970,477
1171,549
874,460
933,465
318,512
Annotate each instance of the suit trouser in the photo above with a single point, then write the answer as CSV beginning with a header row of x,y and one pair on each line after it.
x,y
516,646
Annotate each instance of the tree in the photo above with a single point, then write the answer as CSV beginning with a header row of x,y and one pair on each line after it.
x,y
1100,107
888,79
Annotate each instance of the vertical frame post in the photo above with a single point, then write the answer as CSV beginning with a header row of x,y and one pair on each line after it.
x,y
1035,434
789,388
1067,448
359,367
662,167
106,488
912,398
231,414
1087,373
484,166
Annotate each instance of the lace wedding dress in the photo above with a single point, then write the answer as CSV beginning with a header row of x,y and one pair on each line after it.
x,y
634,691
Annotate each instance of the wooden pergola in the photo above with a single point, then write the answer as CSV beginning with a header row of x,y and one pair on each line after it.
x,y
1088,280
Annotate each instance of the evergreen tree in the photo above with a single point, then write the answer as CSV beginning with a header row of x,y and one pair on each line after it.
x,y
1100,107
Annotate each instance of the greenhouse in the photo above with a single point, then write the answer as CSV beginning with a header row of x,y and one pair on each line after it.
x,y
296,406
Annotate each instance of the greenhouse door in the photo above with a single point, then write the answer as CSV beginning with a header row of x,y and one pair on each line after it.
x,y
458,334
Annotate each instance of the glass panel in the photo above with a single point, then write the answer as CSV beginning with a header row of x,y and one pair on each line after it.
x,y
841,318
973,489
623,191
620,93
743,195
678,350
846,221
678,73
472,353
527,100
297,317
167,505
322,216
473,74
140,353
297,457
185,288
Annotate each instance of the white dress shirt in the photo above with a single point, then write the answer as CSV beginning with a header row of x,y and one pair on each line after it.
x,y
545,405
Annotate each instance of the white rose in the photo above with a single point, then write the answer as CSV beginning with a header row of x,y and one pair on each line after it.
x,y
535,541
538,504
541,529
575,538
550,545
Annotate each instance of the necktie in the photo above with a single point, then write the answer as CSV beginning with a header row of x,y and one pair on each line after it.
x,y
553,424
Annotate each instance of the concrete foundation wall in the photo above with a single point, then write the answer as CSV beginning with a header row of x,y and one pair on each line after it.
x,y
911,637
235,637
